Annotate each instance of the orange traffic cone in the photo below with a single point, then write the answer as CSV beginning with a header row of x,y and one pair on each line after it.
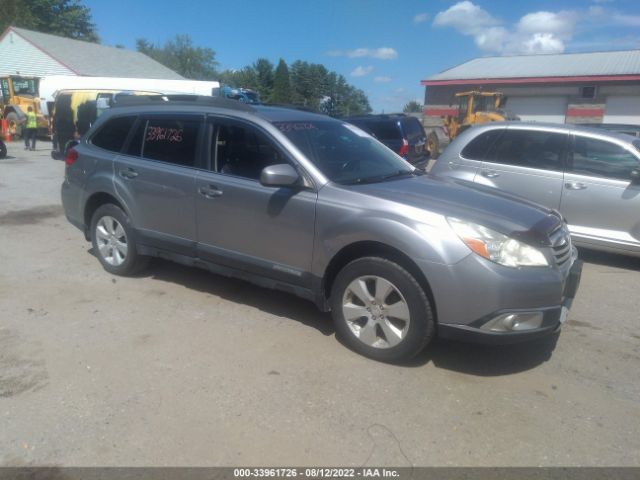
x,y
5,130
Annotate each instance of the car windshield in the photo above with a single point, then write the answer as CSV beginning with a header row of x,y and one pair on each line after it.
x,y
636,143
344,153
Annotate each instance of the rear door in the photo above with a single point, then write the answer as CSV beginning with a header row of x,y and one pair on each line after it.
x,y
528,163
241,223
156,178
600,202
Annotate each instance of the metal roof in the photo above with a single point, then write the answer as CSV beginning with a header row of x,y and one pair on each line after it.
x,y
550,65
95,60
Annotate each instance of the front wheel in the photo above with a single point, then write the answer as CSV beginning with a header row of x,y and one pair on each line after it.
x,y
3,149
112,236
380,310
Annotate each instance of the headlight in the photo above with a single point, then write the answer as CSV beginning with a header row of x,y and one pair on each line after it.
x,y
497,247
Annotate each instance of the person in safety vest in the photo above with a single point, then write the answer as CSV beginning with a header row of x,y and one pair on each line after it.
x,y
31,130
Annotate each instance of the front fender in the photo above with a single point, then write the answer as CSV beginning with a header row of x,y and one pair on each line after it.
x,y
427,237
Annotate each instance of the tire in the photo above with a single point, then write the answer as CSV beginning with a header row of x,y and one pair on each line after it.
x,y
433,145
389,327
113,240
14,124
3,149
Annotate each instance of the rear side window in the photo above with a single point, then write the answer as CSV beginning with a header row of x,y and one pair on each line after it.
x,y
477,148
599,158
169,140
113,133
529,148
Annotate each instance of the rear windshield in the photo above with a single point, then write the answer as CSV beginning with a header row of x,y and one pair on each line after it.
x,y
412,128
343,152
384,130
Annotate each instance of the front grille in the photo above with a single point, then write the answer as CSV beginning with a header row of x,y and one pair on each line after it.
x,y
561,244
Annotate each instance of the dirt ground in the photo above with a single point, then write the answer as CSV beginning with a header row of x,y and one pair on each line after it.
x,y
182,367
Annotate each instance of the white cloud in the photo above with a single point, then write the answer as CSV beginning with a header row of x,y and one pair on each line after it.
x,y
361,71
466,17
382,79
383,53
536,32
421,17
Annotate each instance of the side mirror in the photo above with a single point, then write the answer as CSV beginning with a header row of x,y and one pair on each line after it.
x,y
282,175
635,175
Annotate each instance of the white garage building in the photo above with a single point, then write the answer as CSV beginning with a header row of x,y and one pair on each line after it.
x,y
600,87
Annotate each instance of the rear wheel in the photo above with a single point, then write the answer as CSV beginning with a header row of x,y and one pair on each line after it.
x,y
113,240
3,149
380,310
433,144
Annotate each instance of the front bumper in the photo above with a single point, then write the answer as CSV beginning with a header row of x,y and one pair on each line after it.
x,y
552,318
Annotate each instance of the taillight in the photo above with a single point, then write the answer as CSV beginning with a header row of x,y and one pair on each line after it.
x,y
404,149
72,156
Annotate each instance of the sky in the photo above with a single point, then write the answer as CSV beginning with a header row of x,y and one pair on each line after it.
x,y
384,47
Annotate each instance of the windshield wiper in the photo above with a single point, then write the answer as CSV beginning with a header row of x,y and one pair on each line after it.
x,y
382,178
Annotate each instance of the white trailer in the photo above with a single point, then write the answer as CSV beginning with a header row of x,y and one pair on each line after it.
x,y
49,85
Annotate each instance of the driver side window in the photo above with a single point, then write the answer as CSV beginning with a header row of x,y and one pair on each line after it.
x,y
243,151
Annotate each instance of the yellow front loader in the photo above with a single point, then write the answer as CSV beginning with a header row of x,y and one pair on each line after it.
x,y
17,94
474,108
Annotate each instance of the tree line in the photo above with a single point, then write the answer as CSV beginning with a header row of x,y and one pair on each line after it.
x,y
304,84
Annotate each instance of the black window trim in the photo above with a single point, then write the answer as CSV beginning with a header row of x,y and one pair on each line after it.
x,y
212,122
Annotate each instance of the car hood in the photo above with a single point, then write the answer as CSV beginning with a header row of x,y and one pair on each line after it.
x,y
500,211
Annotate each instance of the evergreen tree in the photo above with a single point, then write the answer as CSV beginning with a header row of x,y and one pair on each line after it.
x,y
281,84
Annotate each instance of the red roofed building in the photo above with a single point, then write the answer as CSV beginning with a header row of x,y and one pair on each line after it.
x,y
598,87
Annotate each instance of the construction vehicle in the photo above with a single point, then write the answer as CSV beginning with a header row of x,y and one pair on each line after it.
x,y
474,108
17,94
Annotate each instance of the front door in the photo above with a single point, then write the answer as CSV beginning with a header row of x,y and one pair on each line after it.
x,y
600,201
241,223
528,163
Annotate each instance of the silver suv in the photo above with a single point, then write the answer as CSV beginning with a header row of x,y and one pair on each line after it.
x,y
590,175
317,207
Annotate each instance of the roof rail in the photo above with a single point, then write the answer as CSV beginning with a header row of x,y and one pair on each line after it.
x,y
291,106
130,100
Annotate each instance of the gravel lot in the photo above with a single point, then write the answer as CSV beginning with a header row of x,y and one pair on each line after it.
x,y
181,367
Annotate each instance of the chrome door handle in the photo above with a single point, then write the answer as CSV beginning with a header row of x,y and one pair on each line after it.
x,y
575,186
210,191
128,173
489,174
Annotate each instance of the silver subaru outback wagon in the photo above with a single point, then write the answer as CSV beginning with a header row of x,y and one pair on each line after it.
x,y
591,176
317,207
